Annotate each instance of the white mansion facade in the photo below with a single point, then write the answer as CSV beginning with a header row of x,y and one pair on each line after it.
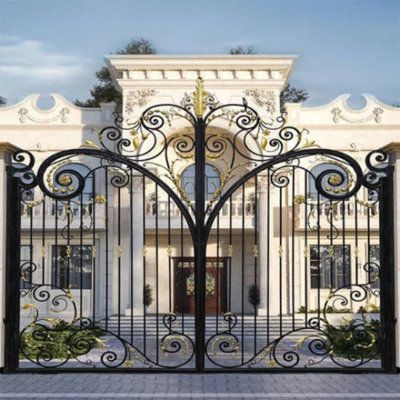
x,y
241,244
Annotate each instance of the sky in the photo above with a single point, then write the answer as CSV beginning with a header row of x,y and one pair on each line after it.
x,y
344,46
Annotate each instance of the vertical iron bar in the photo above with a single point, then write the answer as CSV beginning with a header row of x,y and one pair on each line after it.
x,y
56,277
256,251
293,232
242,261
12,287
169,262
144,264
268,250
387,274
344,244
69,250
218,281
280,260
356,235
106,240
181,272
319,260
305,249
119,256
200,243
94,247
157,283
131,250
43,238
81,259
331,251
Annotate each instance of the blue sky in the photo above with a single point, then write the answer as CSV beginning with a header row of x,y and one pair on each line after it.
x,y
345,46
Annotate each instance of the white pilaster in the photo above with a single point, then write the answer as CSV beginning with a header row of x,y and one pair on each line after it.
x,y
136,275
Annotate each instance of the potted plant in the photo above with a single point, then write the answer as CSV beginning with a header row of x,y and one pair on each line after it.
x,y
251,198
153,198
147,296
254,296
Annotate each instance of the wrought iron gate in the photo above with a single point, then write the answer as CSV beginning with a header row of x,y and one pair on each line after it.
x,y
200,237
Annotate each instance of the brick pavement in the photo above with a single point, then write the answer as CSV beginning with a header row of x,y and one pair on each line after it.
x,y
200,386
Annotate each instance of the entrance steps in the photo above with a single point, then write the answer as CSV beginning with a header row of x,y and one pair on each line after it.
x,y
273,327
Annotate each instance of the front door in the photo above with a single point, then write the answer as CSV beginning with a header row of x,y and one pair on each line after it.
x,y
215,285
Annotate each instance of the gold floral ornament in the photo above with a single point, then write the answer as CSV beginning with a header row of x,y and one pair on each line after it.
x,y
135,138
200,99
264,139
335,180
100,199
300,199
65,180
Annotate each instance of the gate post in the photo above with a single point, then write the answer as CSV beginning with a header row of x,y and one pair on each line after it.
x,y
391,212
200,243
6,150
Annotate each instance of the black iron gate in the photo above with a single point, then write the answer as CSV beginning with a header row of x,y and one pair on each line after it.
x,y
200,237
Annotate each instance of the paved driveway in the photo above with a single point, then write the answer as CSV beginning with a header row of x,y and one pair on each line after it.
x,y
200,386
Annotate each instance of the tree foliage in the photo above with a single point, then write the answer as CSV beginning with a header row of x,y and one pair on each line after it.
x,y
3,101
289,94
242,50
104,91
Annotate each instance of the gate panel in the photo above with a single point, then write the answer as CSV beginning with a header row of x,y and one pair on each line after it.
x,y
200,237
97,282
305,273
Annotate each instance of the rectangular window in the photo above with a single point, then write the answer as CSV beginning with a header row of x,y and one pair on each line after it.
x,y
330,267
374,260
71,266
25,265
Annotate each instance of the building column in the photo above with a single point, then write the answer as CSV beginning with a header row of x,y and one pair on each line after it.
x,y
136,230
269,287
6,150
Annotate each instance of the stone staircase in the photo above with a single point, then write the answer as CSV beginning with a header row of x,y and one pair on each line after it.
x,y
262,327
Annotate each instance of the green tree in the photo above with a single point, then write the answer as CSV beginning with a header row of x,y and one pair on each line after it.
x,y
242,50
3,101
289,94
104,91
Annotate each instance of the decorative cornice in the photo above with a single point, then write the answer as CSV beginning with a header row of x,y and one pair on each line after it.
x,y
25,115
376,115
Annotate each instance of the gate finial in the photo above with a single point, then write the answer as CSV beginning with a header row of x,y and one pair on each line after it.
x,y
199,97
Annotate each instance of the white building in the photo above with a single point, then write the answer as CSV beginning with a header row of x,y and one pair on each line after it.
x,y
116,238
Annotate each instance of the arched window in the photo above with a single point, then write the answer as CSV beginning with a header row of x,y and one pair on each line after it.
x,y
213,181
316,171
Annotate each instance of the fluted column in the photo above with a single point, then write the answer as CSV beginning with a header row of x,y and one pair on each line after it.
x,y
133,242
269,251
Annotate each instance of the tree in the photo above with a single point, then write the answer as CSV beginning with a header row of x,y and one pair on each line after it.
x,y
289,94
104,91
242,50
3,101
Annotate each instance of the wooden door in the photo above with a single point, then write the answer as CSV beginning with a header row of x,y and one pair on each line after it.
x,y
216,289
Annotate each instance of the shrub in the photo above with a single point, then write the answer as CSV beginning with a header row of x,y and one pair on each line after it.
x,y
148,295
355,339
59,341
254,295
